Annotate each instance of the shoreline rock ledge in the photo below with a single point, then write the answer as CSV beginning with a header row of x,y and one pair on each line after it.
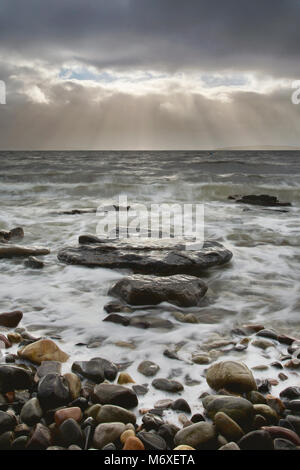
x,y
153,258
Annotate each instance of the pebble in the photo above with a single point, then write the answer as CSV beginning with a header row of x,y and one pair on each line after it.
x,y
117,414
228,427
234,376
31,412
200,435
109,394
124,436
171,386
148,368
125,378
152,441
238,409
66,413
133,443
53,391
11,319
70,433
106,433
256,440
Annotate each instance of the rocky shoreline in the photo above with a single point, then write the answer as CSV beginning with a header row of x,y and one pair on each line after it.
x,y
50,402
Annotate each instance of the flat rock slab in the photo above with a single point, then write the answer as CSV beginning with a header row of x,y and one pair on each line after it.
x,y
181,290
11,251
155,258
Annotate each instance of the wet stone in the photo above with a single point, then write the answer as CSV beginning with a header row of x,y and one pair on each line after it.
x,y
171,386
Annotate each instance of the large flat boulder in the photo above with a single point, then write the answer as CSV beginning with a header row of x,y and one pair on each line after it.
x,y
181,290
153,258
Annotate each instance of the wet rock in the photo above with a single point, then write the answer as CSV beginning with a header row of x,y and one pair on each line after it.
x,y
20,443
230,446
238,409
107,433
7,422
109,447
53,391
148,368
70,433
115,414
256,398
96,369
40,439
118,319
47,367
66,413
74,384
290,393
152,441
197,418
140,389
267,412
167,432
295,422
153,259
150,321
185,291
256,440
260,200
125,378
12,251
181,405
6,440
171,386
117,307
171,354
199,435
34,263
284,433
276,404
11,319
14,378
233,376
43,350
14,338
151,421
31,412
201,359
271,334
262,344
133,443
228,427
108,394
183,447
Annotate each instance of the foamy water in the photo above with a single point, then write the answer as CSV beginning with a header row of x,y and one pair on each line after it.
x,y
261,284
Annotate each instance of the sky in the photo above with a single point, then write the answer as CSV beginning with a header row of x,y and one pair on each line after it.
x,y
149,74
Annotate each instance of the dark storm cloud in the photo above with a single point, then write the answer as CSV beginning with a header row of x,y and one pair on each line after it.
x,y
157,34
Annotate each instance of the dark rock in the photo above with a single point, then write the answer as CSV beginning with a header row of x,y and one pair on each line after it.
x,y
4,342
11,319
295,422
238,409
16,233
284,423
256,398
290,393
80,211
171,354
105,433
81,403
96,369
152,441
197,418
34,263
256,440
182,290
153,259
199,436
108,394
48,367
31,412
20,443
260,200
117,307
53,391
14,378
140,389
263,386
283,444
167,385
167,432
70,433
6,440
284,433
232,375
148,368
267,334
277,365
119,319
181,405
7,422
294,405
150,421
40,439
115,414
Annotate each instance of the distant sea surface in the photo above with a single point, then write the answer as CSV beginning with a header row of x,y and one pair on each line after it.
x,y
261,284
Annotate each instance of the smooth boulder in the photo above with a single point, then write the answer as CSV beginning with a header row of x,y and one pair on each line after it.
x,y
181,290
110,394
43,350
231,375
